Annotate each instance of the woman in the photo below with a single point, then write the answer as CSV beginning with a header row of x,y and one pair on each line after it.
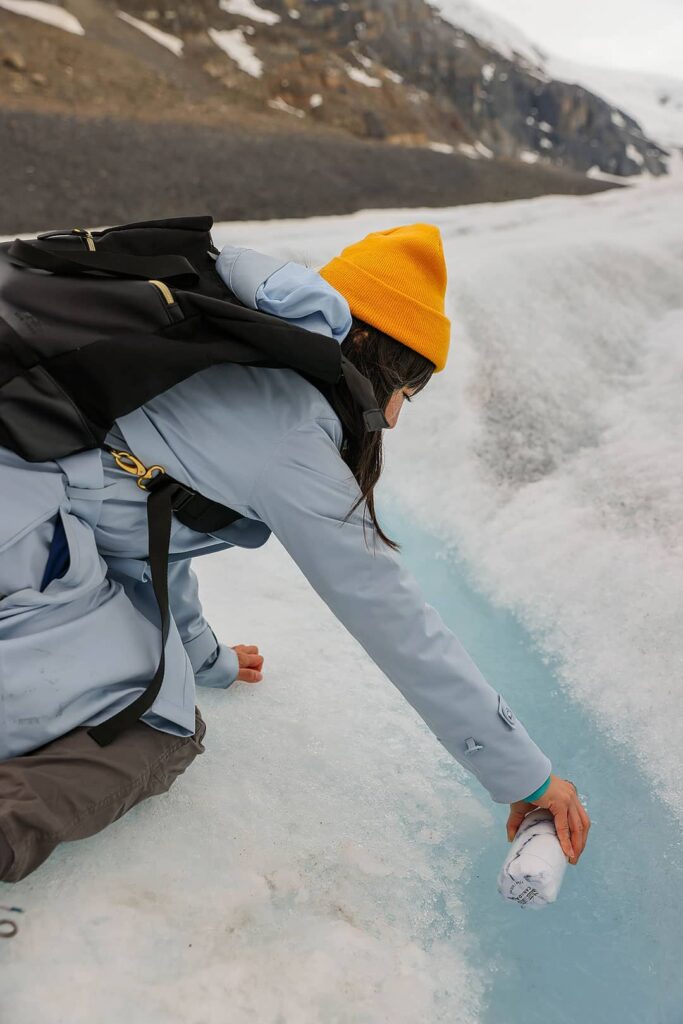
x,y
79,627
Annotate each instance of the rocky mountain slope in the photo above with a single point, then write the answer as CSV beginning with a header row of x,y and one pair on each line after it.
x,y
402,72
656,101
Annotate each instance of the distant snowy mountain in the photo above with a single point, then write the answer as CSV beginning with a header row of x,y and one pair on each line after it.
x,y
656,101
498,33
537,107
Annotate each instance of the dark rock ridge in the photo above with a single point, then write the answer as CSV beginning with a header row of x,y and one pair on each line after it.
x,y
395,70
386,70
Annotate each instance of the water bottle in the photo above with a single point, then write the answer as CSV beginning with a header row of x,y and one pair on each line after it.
x,y
535,865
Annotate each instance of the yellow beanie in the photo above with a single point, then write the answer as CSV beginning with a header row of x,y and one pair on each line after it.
x,y
396,281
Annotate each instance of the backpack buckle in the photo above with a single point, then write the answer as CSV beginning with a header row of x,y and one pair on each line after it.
x,y
179,493
145,481
182,496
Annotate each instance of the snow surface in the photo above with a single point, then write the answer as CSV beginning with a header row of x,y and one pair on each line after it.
x,y
559,417
248,9
233,43
49,14
171,43
287,877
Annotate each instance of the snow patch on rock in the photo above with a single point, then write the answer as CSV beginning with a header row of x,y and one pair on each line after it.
x,y
49,14
362,77
171,43
279,104
248,9
236,47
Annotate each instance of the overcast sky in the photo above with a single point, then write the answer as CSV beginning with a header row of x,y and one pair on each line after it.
x,y
643,35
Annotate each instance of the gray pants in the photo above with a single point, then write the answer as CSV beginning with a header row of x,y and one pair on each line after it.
x,y
71,788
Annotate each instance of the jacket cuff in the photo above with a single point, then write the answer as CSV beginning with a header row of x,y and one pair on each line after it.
x,y
505,788
220,670
538,792
200,648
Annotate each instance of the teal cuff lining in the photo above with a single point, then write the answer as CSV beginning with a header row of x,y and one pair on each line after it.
x,y
538,792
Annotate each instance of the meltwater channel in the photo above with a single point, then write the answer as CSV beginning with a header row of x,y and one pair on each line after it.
x,y
608,950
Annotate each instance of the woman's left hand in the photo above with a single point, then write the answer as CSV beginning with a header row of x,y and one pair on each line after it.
x,y
251,663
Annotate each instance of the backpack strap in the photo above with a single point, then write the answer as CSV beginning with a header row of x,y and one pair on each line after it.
x,y
168,268
166,497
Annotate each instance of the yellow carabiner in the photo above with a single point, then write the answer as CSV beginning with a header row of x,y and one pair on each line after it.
x,y
133,465
129,463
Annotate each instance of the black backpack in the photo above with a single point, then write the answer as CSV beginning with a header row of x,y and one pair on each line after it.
x,y
95,324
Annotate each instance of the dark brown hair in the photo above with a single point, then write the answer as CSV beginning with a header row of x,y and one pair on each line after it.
x,y
389,366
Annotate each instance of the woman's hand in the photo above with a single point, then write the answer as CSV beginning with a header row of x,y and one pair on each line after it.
x,y
251,663
571,821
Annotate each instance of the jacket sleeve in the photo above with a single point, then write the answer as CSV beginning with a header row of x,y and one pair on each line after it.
x,y
303,494
213,664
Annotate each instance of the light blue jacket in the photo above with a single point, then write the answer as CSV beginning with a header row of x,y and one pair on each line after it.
x,y
266,443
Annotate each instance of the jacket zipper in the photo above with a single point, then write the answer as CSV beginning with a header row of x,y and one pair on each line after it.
x,y
87,237
165,291
169,303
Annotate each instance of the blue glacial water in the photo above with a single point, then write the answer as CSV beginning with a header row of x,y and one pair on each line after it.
x,y
609,950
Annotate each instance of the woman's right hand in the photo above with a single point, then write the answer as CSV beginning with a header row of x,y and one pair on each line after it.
x,y
571,820
250,663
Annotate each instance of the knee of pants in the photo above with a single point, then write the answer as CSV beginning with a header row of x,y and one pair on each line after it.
x,y
71,789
